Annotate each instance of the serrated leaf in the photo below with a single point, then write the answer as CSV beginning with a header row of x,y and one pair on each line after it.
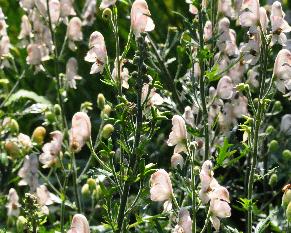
x,y
224,153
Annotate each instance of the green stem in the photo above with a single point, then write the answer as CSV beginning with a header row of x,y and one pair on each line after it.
x,y
75,182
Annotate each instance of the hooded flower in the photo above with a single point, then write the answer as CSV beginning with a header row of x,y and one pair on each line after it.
x,y
124,74
67,8
189,116
26,4
219,209
74,32
178,135
282,70
36,54
177,160
29,172
55,10
285,126
25,28
279,24
89,12
79,224
151,96
72,72
225,7
97,53
51,150
161,188
80,131
13,203
251,52
249,13
207,35
225,88
46,198
185,222
140,18
107,3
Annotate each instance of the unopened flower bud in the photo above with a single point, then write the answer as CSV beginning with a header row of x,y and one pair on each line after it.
x,y
50,117
177,160
107,131
57,109
287,155
12,148
3,159
92,183
38,135
278,106
21,224
286,199
273,180
196,170
85,190
107,109
12,125
107,14
101,101
270,129
97,193
273,146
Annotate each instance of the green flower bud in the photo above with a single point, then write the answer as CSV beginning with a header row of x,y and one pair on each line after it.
x,y
107,14
38,135
107,131
85,190
97,193
287,155
273,146
196,170
106,111
288,212
286,199
270,129
57,109
101,101
92,183
50,117
273,180
4,159
21,224
12,148
13,126
278,106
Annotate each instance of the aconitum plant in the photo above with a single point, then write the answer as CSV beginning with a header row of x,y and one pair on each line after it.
x,y
145,116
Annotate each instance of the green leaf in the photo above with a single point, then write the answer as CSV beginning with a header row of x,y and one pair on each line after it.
x,y
263,223
224,153
25,94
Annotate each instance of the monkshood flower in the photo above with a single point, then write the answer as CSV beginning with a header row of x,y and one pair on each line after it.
x,y
264,19
29,172
185,222
219,209
161,188
279,25
67,8
79,224
25,28
55,11
80,131
207,35
97,53
72,72
225,7
107,3
26,4
151,96
178,135
140,18
36,54
285,126
89,12
3,24
282,70
249,13
74,32
51,150
124,74
225,88
251,52
177,160
189,116
45,198
13,206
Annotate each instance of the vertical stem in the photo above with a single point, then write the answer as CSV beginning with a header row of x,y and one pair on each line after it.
x,y
133,158
202,85
193,196
75,182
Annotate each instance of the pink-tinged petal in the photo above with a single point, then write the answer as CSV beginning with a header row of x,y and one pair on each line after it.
x,y
79,224
161,186
225,88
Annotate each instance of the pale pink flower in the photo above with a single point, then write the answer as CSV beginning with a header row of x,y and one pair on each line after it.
x,y
251,52
236,73
185,222
80,131
282,70
264,19
189,116
252,78
178,135
51,150
26,4
25,28
193,10
207,35
225,88
161,187
72,72
225,7
285,126
55,10
249,13
74,32
3,25
89,12
4,51
97,53
67,8
25,141
36,54
177,160
206,175
41,6
107,3
79,224
46,198
279,25
240,105
151,96
219,209
29,172
13,206
140,18
124,74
